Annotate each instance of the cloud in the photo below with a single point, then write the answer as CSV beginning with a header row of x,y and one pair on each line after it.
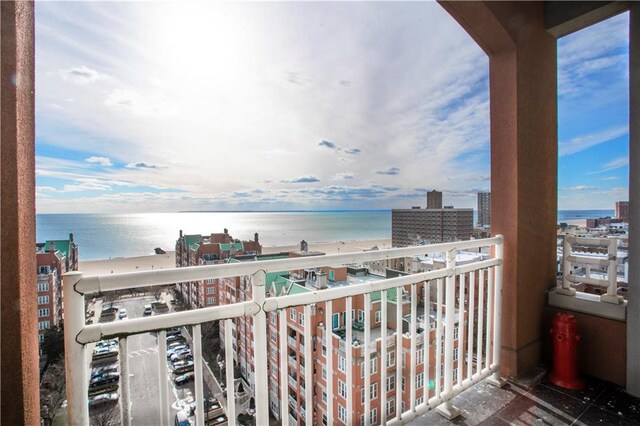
x,y
614,164
103,161
611,178
578,188
328,144
344,176
141,165
86,186
352,151
345,83
82,75
581,143
389,171
301,179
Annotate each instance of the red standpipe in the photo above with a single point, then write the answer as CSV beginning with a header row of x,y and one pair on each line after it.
x,y
564,333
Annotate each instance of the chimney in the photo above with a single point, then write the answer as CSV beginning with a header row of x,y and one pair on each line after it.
x,y
181,233
71,236
226,231
321,280
304,246
255,237
52,247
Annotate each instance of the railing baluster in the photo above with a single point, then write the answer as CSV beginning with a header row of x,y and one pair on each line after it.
x,y
125,395
284,367
398,354
349,370
412,348
197,363
487,344
438,363
462,319
367,359
427,341
471,319
309,362
77,382
228,363
383,355
480,321
447,409
329,343
163,378
495,379
260,347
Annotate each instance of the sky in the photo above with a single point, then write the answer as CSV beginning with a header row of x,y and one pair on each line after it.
x,y
153,107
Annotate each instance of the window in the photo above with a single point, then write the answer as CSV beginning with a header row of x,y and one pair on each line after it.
x,y
419,400
210,281
274,336
455,354
211,300
273,317
374,416
43,300
403,385
391,359
301,318
324,420
324,373
342,389
274,352
342,363
455,333
391,383
43,287
420,381
44,270
342,414
210,290
40,338
43,312
391,406
360,315
420,356
377,317
292,314
353,314
373,365
362,396
324,396
455,374
373,391
43,325
335,319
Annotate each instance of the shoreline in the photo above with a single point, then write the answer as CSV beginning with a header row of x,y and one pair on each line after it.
x,y
116,265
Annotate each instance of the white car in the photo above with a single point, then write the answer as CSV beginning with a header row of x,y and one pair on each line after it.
x,y
103,399
122,313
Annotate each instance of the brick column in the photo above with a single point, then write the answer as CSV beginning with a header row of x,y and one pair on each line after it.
x,y
20,378
524,152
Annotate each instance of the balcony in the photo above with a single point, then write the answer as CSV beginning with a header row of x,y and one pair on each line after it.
x,y
449,295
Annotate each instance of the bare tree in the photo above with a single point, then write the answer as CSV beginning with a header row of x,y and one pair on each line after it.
x,y
109,297
105,417
52,392
157,292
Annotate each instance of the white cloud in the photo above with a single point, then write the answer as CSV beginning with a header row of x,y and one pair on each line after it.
x,y
581,143
82,75
579,188
103,161
614,164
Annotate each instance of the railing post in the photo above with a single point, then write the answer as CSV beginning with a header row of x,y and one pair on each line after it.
x,y
260,349
447,409
75,360
566,268
125,394
495,379
612,274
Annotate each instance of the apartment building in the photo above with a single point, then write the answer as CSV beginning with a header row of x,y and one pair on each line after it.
x,y
622,210
434,199
53,259
484,209
194,250
429,226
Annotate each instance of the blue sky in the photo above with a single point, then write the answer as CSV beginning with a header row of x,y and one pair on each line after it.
x,y
147,107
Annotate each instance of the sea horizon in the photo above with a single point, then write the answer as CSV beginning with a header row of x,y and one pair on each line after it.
x,y
103,236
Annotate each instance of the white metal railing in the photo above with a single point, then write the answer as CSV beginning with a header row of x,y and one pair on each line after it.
x,y
450,284
606,261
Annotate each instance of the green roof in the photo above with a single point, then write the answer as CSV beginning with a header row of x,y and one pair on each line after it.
x,y
279,284
297,289
62,245
227,247
191,239
392,293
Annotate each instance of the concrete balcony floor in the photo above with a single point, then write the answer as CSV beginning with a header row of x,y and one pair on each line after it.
x,y
542,403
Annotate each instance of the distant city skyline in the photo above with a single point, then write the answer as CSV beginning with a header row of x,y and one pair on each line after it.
x,y
147,107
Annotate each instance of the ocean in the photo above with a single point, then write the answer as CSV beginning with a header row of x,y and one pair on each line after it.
x,y
101,236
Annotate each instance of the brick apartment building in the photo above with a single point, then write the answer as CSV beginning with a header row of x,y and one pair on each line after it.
x,y
429,226
53,259
313,279
194,250
622,210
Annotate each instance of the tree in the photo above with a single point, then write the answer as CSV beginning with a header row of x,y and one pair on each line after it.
x,y
52,392
53,343
105,417
109,297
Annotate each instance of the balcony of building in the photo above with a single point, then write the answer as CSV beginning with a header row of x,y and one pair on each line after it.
x,y
520,40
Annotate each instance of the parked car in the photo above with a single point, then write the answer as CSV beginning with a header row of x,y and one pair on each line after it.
x,y
182,367
100,371
147,310
175,349
181,355
122,313
104,352
174,338
103,399
111,343
187,377
174,331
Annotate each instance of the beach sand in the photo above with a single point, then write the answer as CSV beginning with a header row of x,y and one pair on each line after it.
x,y
166,261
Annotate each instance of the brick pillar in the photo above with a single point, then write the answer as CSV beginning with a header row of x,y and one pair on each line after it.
x,y
20,388
524,152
